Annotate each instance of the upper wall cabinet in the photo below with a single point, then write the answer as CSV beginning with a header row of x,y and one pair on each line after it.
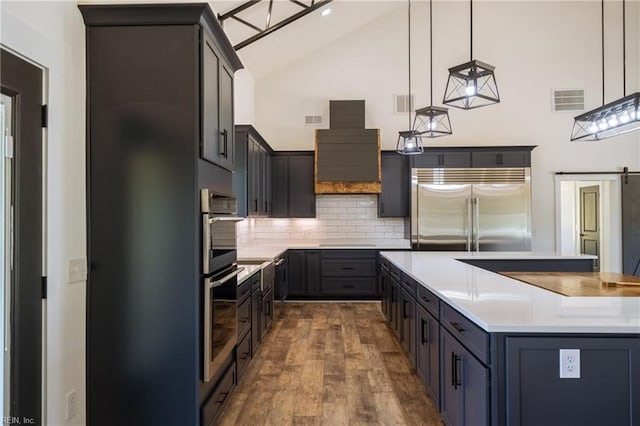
x,y
159,98
292,184
394,199
478,157
252,178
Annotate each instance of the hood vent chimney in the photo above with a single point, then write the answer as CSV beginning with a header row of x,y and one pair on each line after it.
x,y
347,159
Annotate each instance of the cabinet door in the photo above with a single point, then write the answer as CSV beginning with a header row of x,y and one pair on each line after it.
x,y
408,314
226,118
302,198
516,158
393,201
312,265
436,159
267,313
253,170
396,300
385,289
256,308
428,352
297,273
279,186
210,145
266,182
465,385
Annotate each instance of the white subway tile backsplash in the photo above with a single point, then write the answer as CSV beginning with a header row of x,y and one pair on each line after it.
x,y
338,217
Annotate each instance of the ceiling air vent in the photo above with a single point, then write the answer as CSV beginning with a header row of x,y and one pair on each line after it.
x,y
312,120
402,104
567,100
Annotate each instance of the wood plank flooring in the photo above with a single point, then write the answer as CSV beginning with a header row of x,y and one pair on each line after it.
x,y
330,364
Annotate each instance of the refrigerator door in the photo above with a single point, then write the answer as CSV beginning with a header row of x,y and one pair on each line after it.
x,y
502,217
442,219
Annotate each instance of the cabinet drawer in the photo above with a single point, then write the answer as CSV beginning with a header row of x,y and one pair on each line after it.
x,y
409,284
349,254
243,354
255,282
348,268
469,334
348,286
395,273
429,300
212,408
243,316
244,290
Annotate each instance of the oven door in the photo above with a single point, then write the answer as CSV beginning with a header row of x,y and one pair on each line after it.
x,y
219,319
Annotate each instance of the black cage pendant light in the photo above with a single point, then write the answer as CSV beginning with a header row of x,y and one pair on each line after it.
x,y
432,121
617,117
409,141
472,84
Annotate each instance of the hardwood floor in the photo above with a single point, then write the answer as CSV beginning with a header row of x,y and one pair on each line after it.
x,y
330,364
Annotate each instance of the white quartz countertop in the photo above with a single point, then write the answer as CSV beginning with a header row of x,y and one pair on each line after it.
x,y
262,250
500,304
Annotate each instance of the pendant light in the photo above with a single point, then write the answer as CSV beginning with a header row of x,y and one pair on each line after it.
x,y
409,141
432,121
472,84
617,117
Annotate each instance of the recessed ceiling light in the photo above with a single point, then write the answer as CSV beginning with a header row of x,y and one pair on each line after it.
x,y
326,12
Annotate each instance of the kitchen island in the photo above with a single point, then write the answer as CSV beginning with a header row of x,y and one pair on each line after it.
x,y
489,348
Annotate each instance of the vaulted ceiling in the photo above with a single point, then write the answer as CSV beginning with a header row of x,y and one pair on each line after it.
x,y
300,38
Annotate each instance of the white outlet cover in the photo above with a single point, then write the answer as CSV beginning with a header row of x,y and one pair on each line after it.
x,y
569,363
77,270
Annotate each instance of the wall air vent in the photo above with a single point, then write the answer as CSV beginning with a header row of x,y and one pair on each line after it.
x,y
567,100
402,104
312,120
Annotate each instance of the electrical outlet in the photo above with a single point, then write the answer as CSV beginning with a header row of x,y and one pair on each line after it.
x,y
72,404
569,363
77,270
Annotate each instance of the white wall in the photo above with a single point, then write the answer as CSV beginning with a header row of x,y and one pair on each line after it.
x,y
51,33
535,46
244,97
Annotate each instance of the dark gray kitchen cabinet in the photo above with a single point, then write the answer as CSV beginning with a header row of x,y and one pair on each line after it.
x,y
396,301
385,290
266,313
428,351
256,309
159,99
604,393
304,273
394,200
292,187
438,159
464,400
252,179
349,274
501,158
408,329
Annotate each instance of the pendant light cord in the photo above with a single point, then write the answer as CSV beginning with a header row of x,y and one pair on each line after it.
x,y
624,48
471,30
409,56
602,25
431,51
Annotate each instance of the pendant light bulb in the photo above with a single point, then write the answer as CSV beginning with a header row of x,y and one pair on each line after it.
x,y
602,125
624,117
593,128
613,121
470,90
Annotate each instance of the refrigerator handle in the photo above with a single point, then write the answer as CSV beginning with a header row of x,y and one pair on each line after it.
x,y
476,202
469,227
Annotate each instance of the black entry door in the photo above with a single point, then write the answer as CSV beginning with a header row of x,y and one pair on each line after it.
x,y
21,85
631,225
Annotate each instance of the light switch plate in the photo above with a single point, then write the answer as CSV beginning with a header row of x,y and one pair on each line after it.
x,y
77,270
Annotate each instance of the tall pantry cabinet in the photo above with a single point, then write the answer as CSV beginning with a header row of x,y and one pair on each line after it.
x,y
159,128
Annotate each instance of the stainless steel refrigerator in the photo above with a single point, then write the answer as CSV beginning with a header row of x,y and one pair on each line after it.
x,y
471,209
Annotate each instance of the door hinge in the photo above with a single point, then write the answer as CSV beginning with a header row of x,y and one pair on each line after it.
x,y
44,287
45,116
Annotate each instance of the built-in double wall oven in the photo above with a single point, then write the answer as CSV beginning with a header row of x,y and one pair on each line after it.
x,y
220,272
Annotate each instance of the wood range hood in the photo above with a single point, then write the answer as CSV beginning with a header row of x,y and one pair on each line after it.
x,y
347,156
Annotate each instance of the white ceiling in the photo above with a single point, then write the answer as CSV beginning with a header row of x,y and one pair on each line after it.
x,y
300,38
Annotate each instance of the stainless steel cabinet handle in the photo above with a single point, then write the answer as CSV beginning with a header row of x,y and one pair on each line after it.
x,y
206,244
477,205
469,226
279,262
